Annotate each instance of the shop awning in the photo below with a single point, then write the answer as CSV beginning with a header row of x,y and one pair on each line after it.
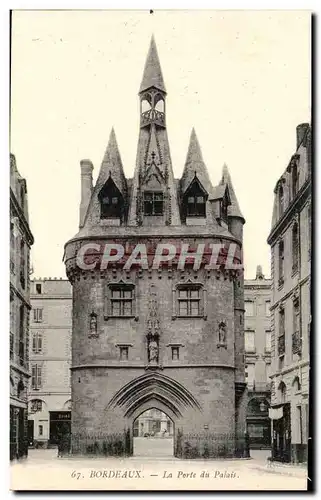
x,y
276,412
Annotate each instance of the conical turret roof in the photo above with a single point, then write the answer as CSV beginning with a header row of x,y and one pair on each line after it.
x,y
111,165
195,166
152,76
234,209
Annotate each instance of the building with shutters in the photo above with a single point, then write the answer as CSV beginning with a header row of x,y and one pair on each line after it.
x,y
153,423
21,240
50,357
257,333
290,241
168,337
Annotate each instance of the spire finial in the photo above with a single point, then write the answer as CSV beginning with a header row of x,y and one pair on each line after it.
x,y
152,76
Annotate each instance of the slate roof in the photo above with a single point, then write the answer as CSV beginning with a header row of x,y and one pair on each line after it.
x,y
152,76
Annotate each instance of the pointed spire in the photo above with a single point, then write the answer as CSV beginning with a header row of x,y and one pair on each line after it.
x,y
152,76
112,165
195,166
234,209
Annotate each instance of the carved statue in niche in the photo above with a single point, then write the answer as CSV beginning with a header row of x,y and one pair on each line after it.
x,y
93,323
153,351
222,333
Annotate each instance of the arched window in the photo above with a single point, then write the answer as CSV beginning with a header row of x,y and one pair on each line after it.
x,y
36,405
296,386
159,103
295,247
145,106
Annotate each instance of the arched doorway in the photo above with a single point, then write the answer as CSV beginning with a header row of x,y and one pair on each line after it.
x,y
153,434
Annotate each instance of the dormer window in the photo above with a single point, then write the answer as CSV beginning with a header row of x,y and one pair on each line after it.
x,y
194,200
196,206
224,210
153,203
111,201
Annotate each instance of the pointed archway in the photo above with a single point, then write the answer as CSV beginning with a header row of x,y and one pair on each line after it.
x,y
154,390
153,433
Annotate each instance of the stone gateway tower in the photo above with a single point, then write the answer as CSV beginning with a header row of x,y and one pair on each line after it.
x,y
157,296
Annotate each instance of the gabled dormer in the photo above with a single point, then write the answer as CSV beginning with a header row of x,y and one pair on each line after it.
x,y
194,201
107,202
111,201
195,186
221,200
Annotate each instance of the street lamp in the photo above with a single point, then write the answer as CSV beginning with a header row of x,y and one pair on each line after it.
x,y
262,406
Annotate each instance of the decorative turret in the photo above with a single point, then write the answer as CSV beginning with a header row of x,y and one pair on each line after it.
x,y
195,186
108,202
154,197
152,90
235,217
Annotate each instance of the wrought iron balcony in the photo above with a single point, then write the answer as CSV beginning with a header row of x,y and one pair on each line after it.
x,y
296,343
281,345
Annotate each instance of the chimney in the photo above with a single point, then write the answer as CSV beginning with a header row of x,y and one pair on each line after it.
x,y
300,133
86,167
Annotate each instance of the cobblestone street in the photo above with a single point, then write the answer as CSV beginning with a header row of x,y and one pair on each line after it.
x,y
43,470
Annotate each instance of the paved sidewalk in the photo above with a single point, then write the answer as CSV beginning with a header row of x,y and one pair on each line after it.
x,y
259,462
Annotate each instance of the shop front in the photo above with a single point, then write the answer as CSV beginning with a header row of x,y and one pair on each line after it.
x,y
281,428
18,433
60,426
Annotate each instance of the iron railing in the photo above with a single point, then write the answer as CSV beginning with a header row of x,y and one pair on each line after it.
x,y
114,444
210,445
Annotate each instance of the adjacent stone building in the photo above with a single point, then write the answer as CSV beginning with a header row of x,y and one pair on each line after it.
x,y
21,240
290,240
153,423
169,336
50,358
257,333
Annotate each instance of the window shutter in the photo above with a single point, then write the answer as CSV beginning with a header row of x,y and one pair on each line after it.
x,y
34,346
38,376
33,376
174,303
39,342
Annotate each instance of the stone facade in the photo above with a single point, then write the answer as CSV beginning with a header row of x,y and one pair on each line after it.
x,y
257,331
50,358
167,337
21,240
290,241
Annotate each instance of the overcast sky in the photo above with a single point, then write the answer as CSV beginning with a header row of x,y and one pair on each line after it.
x,y
241,78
